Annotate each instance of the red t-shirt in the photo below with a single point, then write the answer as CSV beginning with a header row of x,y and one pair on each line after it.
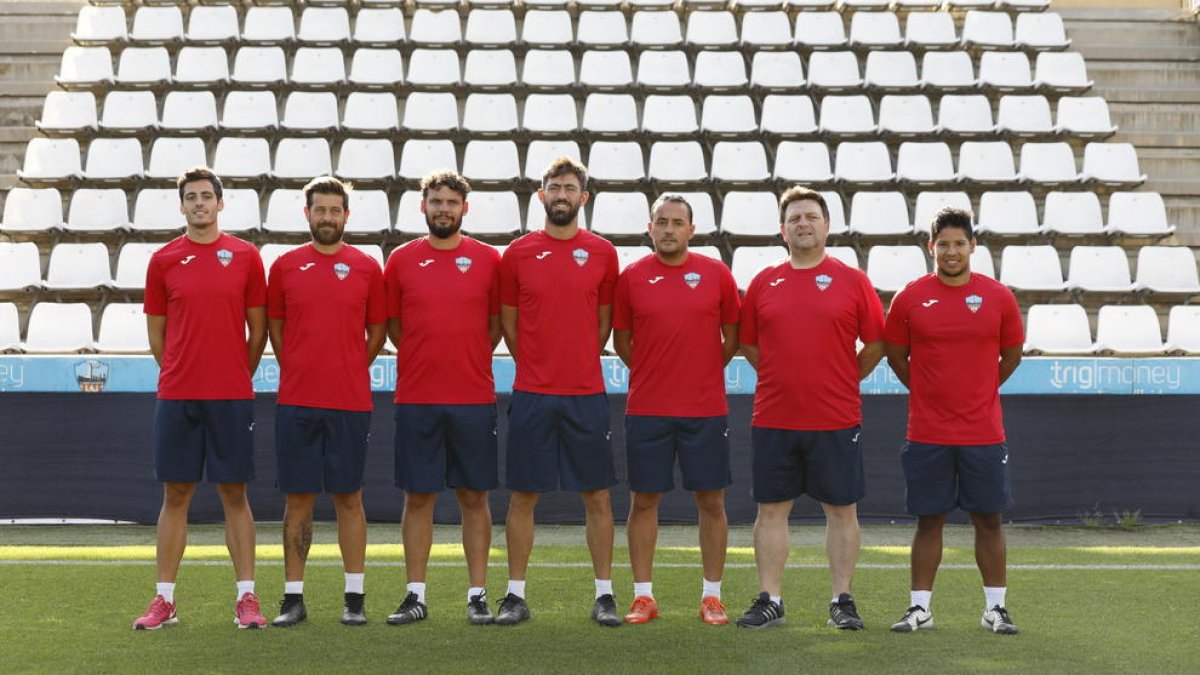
x,y
676,314
326,302
444,300
954,335
558,287
204,291
805,323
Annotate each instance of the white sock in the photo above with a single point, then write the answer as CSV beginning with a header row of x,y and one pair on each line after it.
x,y
476,590
354,582
516,588
712,589
994,595
244,587
920,599
777,599
417,587
166,590
640,589
603,587
293,588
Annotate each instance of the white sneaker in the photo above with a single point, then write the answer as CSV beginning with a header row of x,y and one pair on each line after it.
x,y
914,619
996,620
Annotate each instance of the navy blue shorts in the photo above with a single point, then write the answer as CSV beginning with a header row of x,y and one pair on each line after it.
x,y
559,440
701,443
194,434
440,446
825,465
939,478
319,449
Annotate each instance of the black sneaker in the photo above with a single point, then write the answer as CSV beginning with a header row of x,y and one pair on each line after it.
x,y
997,620
604,612
409,611
478,612
843,615
513,610
353,613
291,611
764,612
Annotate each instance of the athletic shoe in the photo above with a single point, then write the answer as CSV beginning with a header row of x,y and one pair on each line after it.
x,y
712,612
291,611
604,611
409,611
643,609
843,615
915,618
160,613
997,620
764,612
478,612
247,613
353,612
513,610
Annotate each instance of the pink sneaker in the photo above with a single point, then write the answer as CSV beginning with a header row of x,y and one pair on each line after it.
x,y
247,614
160,613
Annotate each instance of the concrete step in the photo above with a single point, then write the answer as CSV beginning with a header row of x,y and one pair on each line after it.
x,y
17,68
20,111
1184,213
1146,81
20,29
1132,40
1157,124
1171,171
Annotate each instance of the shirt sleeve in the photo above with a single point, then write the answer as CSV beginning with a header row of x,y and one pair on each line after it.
x,y
509,290
155,302
1012,332
870,316
276,305
609,283
896,327
731,302
377,306
748,330
256,283
622,312
391,285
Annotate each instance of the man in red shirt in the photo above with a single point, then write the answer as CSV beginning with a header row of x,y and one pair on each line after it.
x,y
444,318
675,319
202,292
556,294
953,337
800,321
326,317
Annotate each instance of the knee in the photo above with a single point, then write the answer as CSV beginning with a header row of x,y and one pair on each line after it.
x,y
522,502
178,495
988,524
419,501
711,504
233,495
774,514
471,500
644,502
597,501
349,503
930,524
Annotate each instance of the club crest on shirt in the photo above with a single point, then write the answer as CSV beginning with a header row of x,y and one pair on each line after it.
x,y
463,263
581,256
692,279
974,302
342,270
823,281
225,256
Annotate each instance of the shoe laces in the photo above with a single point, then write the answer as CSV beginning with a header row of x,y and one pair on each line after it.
x,y
712,604
248,603
642,604
159,605
1001,614
761,604
478,602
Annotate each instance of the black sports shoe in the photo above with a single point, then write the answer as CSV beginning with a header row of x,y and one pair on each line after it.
x,y
997,620
478,612
604,612
764,612
843,615
353,613
513,610
291,611
409,611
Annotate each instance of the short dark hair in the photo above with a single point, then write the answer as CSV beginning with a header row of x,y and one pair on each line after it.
x,y
199,173
800,194
564,165
327,185
447,178
952,217
672,198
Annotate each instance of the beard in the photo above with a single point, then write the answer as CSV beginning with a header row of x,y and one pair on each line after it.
x,y
561,218
326,233
442,231
947,273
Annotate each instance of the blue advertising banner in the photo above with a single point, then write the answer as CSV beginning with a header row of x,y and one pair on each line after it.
x,y
94,373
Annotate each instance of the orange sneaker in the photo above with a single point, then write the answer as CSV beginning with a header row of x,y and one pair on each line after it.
x,y
712,612
642,610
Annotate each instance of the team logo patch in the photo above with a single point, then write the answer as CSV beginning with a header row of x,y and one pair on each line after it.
x,y
692,279
463,263
580,256
342,270
225,256
823,281
91,375
974,302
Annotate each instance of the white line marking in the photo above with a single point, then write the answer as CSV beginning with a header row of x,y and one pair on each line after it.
x,y
734,566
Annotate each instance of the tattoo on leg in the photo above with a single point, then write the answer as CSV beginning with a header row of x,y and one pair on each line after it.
x,y
302,540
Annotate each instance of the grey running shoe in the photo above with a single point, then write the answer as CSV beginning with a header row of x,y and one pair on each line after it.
x,y
843,614
763,613
513,610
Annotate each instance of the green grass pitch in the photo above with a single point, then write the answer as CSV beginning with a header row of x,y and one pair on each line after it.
x,y
1087,601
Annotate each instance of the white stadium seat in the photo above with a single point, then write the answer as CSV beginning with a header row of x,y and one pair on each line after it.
x,y
493,213
740,162
285,214
548,69
1048,164
250,110
51,159
1058,330
366,159
370,112
59,328
616,161
242,157
10,328
32,210
834,71
120,159
318,67
123,329
1099,269
78,266
776,71
965,115
929,203
820,30
748,261
1061,72
930,30
420,157
1085,116
846,116
212,24
891,268
310,112
986,162
1008,213
1024,116
802,162
97,210
242,213
947,71
433,68
891,71
370,212
863,163
491,28
540,154
129,111
302,158
879,214
601,29
157,25
605,70
924,164
98,25
1138,214
376,68
987,30
68,111
324,26
491,161
132,263
1072,213
1183,330
1167,269
750,214
270,25
720,70
677,162
729,115
788,115
490,115
490,68
85,66
875,30
608,114
620,213
1128,330
550,114
379,26
1042,30
192,112
663,70
1031,268
20,266
669,115
1113,164
1005,71
206,66
157,210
